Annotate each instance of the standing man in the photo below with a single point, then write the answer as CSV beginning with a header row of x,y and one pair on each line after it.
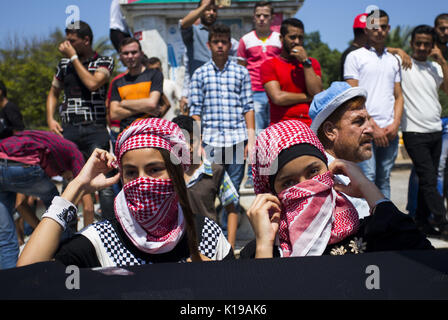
x,y
378,71
195,39
83,76
422,126
221,100
441,29
137,93
256,47
341,122
291,79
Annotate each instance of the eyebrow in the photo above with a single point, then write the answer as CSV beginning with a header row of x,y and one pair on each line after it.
x,y
281,177
154,163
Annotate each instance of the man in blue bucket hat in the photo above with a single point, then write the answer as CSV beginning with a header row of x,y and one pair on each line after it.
x,y
341,122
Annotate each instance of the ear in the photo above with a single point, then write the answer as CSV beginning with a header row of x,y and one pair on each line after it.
x,y
329,130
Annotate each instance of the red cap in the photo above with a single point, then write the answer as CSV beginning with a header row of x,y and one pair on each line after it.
x,y
360,21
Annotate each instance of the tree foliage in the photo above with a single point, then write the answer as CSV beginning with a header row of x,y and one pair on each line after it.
x,y
27,67
329,59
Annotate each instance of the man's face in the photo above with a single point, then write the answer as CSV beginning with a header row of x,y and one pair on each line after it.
x,y
442,31
77,43
131,55
378,34
262,18
294,37
209,16
219,45
421,46
353,136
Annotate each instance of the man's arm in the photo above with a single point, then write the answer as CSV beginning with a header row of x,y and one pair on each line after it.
x,y
313,82
123,109
51,105
352,82
406,60
92,81
436,54
193,15
392,129
284,98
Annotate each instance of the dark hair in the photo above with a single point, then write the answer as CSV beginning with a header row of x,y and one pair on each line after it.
x,y
218,29
290,22
357,32
442,16
83,30
423,29
129,40
176,173
382,14
3,89
264,4
153,60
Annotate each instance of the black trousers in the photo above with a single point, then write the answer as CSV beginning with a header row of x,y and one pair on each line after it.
x,y
424,150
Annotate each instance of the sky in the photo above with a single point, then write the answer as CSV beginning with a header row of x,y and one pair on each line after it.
x,y
333,18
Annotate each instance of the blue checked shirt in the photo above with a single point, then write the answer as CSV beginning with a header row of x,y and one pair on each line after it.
x,y
221,98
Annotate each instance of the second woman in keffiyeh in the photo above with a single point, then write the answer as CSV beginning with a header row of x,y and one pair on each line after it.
x,y
300,211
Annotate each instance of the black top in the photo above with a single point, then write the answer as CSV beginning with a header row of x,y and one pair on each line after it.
x,y
80,104
387,229
10,119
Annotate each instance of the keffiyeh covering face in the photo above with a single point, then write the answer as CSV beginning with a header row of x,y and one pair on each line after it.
x,y
313,213
147,208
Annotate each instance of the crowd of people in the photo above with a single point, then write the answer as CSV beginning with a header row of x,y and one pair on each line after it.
x,y
319,161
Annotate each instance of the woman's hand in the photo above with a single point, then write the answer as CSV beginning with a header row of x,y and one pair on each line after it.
x,y
264,216
359,186
92,176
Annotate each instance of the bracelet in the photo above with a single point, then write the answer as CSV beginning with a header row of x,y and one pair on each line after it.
x,y
61,211
75,56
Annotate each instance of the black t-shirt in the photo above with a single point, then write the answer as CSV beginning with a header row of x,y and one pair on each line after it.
x,y
133,87
11,119
79,102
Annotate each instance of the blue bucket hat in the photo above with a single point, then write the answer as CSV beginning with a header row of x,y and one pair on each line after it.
x,y
327,101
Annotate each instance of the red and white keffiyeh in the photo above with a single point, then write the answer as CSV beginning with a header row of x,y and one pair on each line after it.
x,y
147,208
313,213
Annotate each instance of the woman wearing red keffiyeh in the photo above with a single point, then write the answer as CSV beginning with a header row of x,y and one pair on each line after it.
x,y
299,211
154,221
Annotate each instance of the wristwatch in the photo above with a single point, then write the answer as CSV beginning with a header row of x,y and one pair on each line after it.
x,y
307,63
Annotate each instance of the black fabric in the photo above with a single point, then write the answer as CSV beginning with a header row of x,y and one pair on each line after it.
x,y
10,119
78,251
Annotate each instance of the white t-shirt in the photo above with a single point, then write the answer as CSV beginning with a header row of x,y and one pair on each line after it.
x,y
360,204
378,75
116,19
422,108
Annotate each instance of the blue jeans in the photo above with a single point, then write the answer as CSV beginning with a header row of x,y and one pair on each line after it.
x,y
378,168
29,180
261,109
262,116
233,160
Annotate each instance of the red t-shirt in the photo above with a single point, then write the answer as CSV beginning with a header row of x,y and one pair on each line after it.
x,y
291,78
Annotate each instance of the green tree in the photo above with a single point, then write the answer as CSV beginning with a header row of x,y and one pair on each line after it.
x,y
27,67
328,59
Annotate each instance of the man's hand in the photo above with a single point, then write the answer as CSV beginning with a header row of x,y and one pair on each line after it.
x,y
55,127
391,131
183,105
67,49
379,135
436,54
299,53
